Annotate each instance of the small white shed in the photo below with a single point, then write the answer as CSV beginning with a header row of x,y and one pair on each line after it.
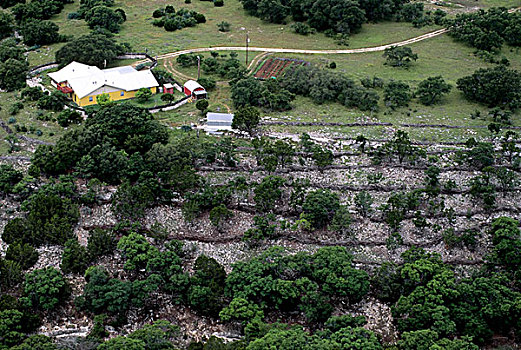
x,y
216,123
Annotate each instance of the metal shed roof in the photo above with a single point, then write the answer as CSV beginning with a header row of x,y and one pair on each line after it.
x,y
219,117
192,85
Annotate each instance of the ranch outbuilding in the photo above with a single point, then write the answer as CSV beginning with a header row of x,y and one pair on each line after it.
x,y
194,89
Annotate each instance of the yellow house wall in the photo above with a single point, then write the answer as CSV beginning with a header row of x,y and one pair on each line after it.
x,y
114,96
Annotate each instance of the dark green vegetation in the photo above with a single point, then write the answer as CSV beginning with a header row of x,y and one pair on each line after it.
x,y
123,145
399,56
37,9
229,68
279,241
495,87
13,66
93,49
336,16
487,30
173,20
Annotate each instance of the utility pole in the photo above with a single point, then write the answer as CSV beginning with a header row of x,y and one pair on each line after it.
x,y
198,67
247,43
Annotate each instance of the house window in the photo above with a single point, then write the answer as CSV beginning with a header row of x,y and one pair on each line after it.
x,y
122,93
90,99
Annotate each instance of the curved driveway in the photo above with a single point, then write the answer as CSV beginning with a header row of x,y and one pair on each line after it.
x,y
300,51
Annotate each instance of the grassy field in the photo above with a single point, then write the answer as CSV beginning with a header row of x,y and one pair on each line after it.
x,y
485,3
437,56
185,115
28,117
140,33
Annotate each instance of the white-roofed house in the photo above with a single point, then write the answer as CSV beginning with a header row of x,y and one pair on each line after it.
x,y
83,83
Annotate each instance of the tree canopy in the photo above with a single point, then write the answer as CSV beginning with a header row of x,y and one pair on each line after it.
x,y
93,49
495,87
326,15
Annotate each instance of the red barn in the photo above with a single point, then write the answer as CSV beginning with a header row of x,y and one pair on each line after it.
x,y
194,89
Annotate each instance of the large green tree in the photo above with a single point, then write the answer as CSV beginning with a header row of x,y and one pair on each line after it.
x,y
6,24
246,119
13,74
92,49
399,56
397,94
494,87
432,89
104,17
128,127
36,32
45,289
320,207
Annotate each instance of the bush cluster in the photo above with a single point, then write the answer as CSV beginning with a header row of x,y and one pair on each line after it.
x,y
171,20
487,29
327,15
323,86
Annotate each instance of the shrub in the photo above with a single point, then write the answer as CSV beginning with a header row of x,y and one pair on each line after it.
x,y
397,94
143,95
22,253
36,32
9,177
202,105
168,98
218,3
11,328
207,286
50,221
302,282
74,258
15,108
67,117
104,17
101,293
53,102
320,207
80,50
224,26
32,93
136,251
207,83
158,13
219,214
45,289
432,89
302,28
100,243
341,220
10,274
494,87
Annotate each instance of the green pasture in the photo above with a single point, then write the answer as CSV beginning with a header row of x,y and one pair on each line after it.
x,y
437,56
141,34
28,117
